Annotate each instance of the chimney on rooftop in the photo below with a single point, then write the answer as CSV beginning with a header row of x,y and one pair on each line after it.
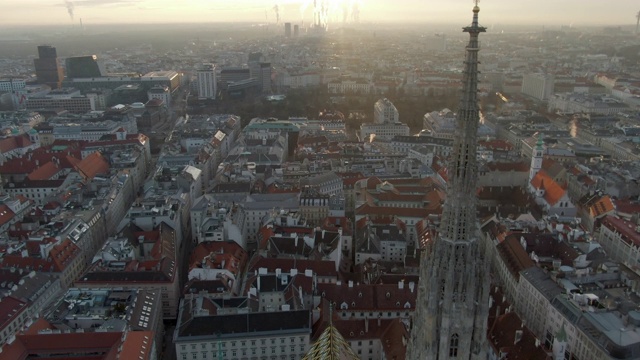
x,y
518,337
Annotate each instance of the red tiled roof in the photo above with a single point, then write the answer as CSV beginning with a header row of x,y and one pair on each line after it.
x,y
38,325
553,192
147,236
5,214
8,144
60,257
332,223
84,346
380,297
520,166
10,307
45,172
322,268
52,205
367,209
603,206
30,162
372,182
626,229
265,234
514,255
92,165
131,139
63,253
137,345
627,206
502,337
23,141
217,252
496,144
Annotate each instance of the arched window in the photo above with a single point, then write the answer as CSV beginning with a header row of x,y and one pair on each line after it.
x,y
453,346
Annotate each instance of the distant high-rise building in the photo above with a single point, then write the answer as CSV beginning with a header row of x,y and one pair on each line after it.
x,y
48,68
296,30
255,57
450,321
87,66
207,82
538,86
230,75
287,29
385,112
264,79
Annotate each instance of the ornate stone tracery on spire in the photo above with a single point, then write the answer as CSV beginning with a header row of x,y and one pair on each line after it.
x,y
450,320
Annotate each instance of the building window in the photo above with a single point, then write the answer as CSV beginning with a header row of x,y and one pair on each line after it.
x,y
453,346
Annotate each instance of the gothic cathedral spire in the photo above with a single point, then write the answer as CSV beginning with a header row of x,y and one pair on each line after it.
x,y
450,320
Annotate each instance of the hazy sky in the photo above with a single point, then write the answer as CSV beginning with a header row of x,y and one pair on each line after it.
x,y
565,12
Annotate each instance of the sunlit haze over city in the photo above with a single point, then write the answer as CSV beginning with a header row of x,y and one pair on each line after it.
x,y
320,179
579,12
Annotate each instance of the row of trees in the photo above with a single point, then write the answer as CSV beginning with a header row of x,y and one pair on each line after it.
x,y
309,102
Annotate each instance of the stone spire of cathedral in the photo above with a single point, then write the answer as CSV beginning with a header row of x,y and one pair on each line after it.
x,y
450,320
330,345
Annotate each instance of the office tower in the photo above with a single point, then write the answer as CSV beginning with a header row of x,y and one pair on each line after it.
x,y
48,69
87,66
538,86
207,82
287,29
450,321
296,30
264,78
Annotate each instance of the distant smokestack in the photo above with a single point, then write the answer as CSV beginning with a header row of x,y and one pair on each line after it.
x,y
70,7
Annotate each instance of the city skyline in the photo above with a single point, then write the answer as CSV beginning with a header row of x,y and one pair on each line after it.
x,y
543,12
